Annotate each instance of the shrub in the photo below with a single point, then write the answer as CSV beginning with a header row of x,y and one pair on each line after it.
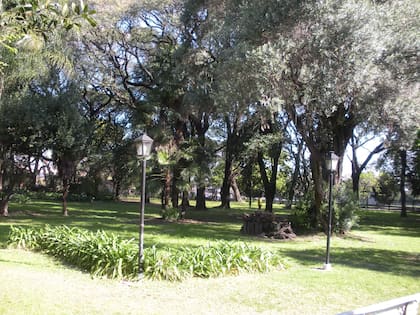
x,y
301,218
21,198
170,214
346,206
108,255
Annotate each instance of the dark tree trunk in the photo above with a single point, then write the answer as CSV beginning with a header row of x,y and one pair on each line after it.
x,y
227,178
174,189
403,157
356,169
117,190
269,184
236,190
185,204
4,204
315,215
201,199
66,186
201,125
66,169
166,191
295,176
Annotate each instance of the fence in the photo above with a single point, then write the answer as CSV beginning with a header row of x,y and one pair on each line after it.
x,y
407,305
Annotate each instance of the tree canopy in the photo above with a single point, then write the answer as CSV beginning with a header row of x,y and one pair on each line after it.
x,y
230,85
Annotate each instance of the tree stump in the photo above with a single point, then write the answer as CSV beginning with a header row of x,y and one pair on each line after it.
x,y
267,224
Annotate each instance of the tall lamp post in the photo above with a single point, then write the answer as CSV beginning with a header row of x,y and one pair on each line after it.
x,y
332,162
143,147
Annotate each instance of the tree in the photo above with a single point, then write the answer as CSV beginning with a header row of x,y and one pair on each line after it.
x,y
414,173
357,168
315,70
25,24
387,188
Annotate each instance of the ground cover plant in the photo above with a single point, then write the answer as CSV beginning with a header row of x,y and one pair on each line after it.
x,y
378,261
108,255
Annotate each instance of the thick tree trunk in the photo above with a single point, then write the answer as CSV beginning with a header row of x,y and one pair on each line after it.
x,y
403,157
66,187
185,204
201,199
166,191
236,191
356,169
4,205
295,176
117,190
315,214
174,188
269,184
227,179
201,125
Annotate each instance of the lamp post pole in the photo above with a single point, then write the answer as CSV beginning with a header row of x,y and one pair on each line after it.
x,y
327,265
143,147
332,162
141,229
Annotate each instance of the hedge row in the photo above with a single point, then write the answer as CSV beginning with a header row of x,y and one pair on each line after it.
x,y
107,255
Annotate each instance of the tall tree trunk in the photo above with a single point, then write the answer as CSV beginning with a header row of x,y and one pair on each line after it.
x,y
174,189
117,190
315,214
4,204
269,184
403,157
201,125
166,191
201,199
1,174
66,187
356,169
227,178
295,176
236,190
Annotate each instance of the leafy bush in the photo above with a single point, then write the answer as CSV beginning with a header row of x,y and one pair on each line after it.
x,y
170,214
301,218
21,198
108,255
346,206
99,253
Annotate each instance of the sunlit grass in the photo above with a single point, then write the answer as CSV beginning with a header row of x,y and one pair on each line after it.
x,y
379,260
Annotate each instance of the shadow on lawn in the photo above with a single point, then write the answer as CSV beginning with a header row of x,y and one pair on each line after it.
x,y
390,261
390,223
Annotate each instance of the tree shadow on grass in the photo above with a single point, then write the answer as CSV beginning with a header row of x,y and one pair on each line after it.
x,y
390,223
396,262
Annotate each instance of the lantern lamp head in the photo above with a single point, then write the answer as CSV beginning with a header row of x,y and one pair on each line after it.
x,y
143,146
332,161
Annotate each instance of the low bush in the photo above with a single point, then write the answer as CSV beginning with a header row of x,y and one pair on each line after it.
x,y
346,206
109,256
170,214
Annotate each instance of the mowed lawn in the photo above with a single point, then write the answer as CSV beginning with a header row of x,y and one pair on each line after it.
x,y
379,260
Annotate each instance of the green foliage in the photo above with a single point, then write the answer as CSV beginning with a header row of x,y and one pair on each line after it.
x,y
21,198
367,184
170,214
101,254
224,258
301,215
346,205
387,188
106,255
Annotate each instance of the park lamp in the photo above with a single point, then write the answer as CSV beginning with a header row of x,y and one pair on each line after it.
x,y
143,146
332,161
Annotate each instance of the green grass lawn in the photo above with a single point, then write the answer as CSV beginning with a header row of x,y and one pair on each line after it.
x,y
379,260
